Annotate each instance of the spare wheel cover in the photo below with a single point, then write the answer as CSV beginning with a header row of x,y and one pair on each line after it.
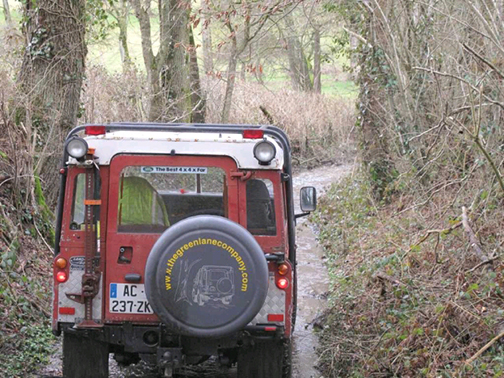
x,y
206,276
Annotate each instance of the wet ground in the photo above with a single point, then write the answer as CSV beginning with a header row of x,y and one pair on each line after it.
x,y
313,285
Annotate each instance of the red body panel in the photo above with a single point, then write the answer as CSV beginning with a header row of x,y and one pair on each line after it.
x,y
72,241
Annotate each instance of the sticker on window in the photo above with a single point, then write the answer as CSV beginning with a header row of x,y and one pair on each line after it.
x,y
199,170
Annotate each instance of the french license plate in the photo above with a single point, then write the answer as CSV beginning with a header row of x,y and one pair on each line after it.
x,y
128,299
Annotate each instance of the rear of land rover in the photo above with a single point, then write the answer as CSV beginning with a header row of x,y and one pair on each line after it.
x,y
176,242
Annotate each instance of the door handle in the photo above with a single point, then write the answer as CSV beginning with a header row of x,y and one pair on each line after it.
x,y
125,255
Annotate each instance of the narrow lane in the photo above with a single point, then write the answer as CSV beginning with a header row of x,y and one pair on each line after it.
x,y
313,279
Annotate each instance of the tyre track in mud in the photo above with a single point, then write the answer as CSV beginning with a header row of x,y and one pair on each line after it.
x,y
313,286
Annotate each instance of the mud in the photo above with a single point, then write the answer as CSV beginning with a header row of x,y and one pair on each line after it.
x,y
313,285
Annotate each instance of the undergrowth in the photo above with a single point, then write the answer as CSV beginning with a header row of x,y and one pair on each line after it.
x,y
25,295
409,297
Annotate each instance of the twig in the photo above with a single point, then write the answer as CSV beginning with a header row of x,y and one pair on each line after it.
x,y
446,231
489,261
496,70
482,350
45,242
267,114
393,280
446,74
472,238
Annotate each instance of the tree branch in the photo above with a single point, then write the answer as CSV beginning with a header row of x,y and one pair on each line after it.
x,y
495,69
472,238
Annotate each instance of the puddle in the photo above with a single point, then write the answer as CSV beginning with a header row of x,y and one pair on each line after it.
x,y
313,284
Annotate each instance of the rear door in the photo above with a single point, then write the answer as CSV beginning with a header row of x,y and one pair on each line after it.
x,y
148,194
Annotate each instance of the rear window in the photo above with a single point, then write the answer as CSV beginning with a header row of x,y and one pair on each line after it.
x,y
151,198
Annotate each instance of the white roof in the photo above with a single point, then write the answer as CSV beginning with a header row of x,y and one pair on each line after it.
x,y
162,142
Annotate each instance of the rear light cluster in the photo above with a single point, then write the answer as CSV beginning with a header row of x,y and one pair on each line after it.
x,y
61,274
282,282
253,134
95,130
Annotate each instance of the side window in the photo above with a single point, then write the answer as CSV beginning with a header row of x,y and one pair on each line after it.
x,y
260,207
78,202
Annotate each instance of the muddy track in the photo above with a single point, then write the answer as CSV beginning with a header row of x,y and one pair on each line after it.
x,y
313,285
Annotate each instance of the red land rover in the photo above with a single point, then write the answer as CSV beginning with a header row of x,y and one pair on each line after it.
x,y
175,243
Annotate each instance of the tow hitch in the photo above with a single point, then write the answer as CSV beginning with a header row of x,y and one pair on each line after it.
x,y
169,361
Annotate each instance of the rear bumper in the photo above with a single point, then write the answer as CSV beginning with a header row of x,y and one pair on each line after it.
x,y
148,339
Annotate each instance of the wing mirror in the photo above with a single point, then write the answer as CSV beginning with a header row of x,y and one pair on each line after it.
x,y
308,200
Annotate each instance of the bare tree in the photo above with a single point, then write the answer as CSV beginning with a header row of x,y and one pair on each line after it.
x,y
206,37
6,10
298,61
168,70
51,75
120,12
244,22
317,57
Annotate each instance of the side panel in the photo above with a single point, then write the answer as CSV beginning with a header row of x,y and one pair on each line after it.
x,y
72,249
278,301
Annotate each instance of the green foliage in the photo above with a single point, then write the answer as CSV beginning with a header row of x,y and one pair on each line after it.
x,y
46,215
99,24
25,333
394,306
28,348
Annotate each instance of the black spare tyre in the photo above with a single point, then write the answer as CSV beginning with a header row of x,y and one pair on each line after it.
x,y
206,276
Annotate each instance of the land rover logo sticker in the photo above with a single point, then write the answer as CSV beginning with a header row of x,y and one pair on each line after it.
x,y
182,170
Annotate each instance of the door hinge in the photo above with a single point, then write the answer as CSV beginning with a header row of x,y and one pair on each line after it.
x,y
243,176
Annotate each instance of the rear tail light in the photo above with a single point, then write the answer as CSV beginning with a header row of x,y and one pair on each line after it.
x,y
253,134
95,130
60,263
282,283
283,269
61,277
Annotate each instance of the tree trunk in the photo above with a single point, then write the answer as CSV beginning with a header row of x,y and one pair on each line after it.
x,y
6,9
122,23
206,36
298,63
51,75
231,78
373,128
175,64
197,100
150,61
168,71
317,56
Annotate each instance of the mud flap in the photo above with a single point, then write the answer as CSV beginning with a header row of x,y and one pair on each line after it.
x,y
84,357
263,359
